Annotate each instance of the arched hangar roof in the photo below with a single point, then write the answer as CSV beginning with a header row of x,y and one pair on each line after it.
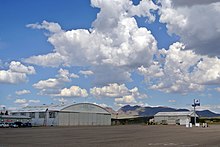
x,y
84,107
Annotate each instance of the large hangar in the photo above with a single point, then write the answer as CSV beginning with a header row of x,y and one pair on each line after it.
x,y
86,114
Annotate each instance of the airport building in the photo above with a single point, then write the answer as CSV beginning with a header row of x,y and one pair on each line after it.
x,y
181,118
66,115
12,119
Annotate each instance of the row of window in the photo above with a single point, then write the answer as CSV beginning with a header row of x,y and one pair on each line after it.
x,y
41,114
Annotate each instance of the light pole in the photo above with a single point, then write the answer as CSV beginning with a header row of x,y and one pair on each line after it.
x,y
196,102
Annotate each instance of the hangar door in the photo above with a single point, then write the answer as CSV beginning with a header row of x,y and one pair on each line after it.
x,y
83,119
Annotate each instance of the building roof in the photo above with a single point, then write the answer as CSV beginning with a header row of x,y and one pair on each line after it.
x,y
184,113
64,107
42,108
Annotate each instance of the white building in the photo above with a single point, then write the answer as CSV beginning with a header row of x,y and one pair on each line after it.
x,y
66,115
181,118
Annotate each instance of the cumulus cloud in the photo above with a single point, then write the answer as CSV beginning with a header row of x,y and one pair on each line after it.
x,y
20,68
120,93
34,101
182,71
48,60
20,101
115,46
86,73
112,90
16,73
74,91
199,31
52,85
22,92
62,100
144,9
102,105
25,102
115,41
128,99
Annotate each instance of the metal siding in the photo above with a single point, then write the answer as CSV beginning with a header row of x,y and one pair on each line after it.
x,y
71,119
102,119
99,119
106,119
63,119
94,119
81,117
90,120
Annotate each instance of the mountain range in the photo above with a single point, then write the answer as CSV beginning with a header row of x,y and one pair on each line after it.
x,y
151,111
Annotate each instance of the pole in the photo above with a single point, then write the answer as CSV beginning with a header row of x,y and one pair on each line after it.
x,y
195,114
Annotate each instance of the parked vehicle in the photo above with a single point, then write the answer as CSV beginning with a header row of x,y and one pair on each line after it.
x,y
4,125
19,124
27,124
13,125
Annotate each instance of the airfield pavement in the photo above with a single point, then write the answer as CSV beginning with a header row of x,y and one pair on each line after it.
x,y
111,136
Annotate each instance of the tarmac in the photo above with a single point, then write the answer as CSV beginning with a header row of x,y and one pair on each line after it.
x,y
111,136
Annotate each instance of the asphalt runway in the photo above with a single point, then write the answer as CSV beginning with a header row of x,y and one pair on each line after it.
x,y
111,136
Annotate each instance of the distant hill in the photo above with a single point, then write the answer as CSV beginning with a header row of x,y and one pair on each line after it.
x,y
207,113
151,111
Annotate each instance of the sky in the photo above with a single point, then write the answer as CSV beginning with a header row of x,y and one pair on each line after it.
x,y
110,52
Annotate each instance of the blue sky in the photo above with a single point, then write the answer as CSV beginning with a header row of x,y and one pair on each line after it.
x,y
111,53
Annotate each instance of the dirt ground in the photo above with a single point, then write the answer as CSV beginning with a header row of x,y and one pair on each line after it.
x,y
111,136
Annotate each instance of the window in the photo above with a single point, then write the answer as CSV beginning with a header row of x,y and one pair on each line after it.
x,y
22,113
32,115
52,115
42,114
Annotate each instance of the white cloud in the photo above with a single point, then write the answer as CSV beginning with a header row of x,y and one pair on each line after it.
x,y
217,89
129,99
49,83
114,42
115,46
120,93
16,73
185,19
50,26
74,91
20,68
62,100
75,76
20,101
112,90
144,9
182,71
22,92
86,72
172,101
62,77
24,102
116,90
51,60
12,77
34,101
